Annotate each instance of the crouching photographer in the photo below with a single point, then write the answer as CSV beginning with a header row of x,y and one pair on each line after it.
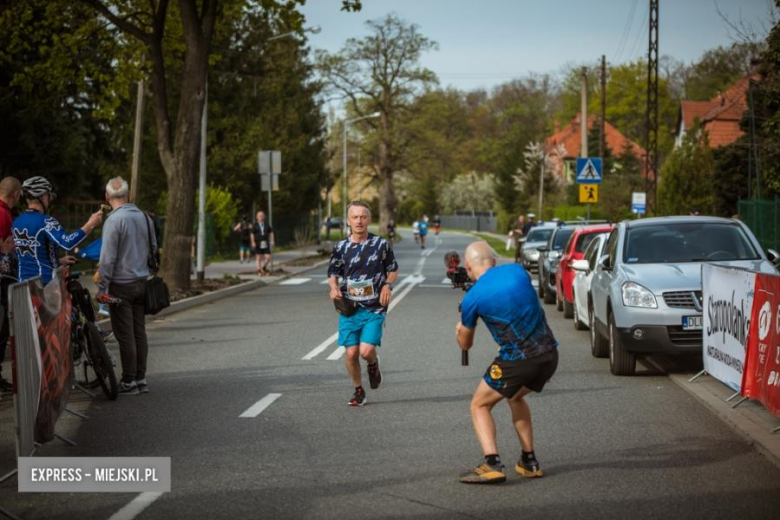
x,y
528,356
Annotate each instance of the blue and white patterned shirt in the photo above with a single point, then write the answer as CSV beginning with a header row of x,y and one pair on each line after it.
x,y
363,268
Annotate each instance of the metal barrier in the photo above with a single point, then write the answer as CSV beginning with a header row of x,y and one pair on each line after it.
x,y
469,222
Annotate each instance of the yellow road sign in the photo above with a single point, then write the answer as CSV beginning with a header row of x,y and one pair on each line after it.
x,y
589,193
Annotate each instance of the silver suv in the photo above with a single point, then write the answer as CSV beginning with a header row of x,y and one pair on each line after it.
x,y
646,294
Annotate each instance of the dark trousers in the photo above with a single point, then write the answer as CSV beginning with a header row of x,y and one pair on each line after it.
x,y
128,322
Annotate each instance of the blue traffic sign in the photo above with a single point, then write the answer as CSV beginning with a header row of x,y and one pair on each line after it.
x,y
589,170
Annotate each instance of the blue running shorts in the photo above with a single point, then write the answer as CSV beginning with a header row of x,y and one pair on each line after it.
x,y
362,327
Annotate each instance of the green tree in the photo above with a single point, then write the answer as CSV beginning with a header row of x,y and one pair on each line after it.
x,y
381,73
766,99
686,177
718,69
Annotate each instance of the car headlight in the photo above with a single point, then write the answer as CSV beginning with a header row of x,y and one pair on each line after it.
x,y
634,295
553,255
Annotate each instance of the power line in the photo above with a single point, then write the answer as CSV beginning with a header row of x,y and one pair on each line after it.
x,y
626,31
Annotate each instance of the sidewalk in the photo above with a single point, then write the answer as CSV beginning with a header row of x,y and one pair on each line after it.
x,y
283,260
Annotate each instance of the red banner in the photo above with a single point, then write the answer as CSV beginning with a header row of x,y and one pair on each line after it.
x,y
761,377
52,307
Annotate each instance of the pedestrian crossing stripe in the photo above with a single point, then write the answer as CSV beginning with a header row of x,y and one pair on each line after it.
x,y
295,281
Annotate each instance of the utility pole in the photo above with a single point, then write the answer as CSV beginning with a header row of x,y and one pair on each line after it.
x,y
139,125
201,241
584,114
602,135
584,122
651,114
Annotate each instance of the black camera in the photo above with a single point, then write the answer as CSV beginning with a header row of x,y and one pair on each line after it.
x,y
460,280
456,273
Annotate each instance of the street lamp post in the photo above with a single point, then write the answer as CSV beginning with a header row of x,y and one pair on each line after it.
x,y
348,122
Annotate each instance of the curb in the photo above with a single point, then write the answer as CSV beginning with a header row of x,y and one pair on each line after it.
x,y
751,432
202,299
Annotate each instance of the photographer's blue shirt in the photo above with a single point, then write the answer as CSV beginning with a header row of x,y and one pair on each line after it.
x,y
363,268
37,237
506,301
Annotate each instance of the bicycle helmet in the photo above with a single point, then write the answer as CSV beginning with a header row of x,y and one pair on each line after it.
x,y
36,187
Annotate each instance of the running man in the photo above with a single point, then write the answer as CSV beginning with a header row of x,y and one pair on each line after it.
x,y
527,358
367,268
262,240
423,228
437,224
416,231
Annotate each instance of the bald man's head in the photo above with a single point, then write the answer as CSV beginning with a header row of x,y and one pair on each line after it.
x,y
10,190
479,258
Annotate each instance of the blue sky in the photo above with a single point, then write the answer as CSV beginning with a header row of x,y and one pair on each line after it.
x,y
483,43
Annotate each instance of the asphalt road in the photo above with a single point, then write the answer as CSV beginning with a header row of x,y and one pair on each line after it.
x,y
611,447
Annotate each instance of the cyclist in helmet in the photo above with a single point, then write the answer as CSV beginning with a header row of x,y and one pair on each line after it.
x,y
38,235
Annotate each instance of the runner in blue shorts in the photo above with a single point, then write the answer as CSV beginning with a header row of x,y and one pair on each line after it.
x,y
362,270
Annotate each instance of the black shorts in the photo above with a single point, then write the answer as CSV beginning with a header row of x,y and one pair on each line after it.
x,y
264,251
508,377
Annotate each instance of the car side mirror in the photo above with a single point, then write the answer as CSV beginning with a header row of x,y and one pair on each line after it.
x,y
773,256
580,265
604,263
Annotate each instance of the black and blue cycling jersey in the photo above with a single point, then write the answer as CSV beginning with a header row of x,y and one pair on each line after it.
x,y
37,237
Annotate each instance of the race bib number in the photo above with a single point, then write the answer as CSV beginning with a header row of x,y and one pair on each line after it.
x,y
360,291
263,244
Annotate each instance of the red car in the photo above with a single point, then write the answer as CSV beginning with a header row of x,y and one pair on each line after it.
x,y
574,250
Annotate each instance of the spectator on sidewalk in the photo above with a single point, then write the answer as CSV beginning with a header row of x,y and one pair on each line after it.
x,y
262,243
124,267
244,229
10,192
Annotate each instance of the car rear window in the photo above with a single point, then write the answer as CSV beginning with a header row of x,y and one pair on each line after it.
x,y
561,237
688,242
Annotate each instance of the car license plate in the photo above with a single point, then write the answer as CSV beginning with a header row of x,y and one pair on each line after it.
x,y
692,322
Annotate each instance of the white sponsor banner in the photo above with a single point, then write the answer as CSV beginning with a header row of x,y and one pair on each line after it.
x,y
728,306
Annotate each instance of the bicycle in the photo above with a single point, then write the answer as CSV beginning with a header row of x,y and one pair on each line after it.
x,y
87,345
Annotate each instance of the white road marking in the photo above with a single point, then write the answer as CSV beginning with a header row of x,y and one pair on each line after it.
x,y
136,506
321,347
336,354
324,282
257,408
416,280
430,285
446,280
295,281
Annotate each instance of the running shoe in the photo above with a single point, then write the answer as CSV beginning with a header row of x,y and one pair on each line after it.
x,y
358,398
484,474
374,375
529,468
128,388
143,387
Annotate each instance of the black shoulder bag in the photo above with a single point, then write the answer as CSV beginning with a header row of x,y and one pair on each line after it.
x,y
157,295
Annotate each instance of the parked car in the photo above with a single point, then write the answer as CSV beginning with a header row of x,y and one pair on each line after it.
x,y
333,223
585,268
548,261
537,237
564,275
646,293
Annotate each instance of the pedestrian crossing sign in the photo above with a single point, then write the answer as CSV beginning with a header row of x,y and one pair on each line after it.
x,y
589,170
589,193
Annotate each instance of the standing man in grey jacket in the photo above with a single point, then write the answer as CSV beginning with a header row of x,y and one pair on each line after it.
x,y
124,267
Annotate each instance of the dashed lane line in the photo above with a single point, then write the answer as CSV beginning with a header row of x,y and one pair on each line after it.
x,y
136,506
257,408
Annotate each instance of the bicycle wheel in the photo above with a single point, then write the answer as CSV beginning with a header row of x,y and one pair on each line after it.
x,y
101,362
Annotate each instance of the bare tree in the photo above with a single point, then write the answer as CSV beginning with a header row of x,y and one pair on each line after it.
x,y
381,73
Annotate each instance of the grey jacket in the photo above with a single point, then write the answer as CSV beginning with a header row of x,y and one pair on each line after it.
x,y
125,252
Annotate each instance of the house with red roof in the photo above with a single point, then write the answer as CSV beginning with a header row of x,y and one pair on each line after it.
x,y
719,117
564,145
